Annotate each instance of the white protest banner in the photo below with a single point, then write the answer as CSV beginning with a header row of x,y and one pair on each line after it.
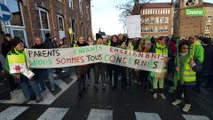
x,y
133,59
65,57
133,23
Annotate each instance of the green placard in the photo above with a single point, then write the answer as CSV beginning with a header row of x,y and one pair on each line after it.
x,y
194,12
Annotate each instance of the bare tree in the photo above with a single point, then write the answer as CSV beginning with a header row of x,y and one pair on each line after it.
x,y
127,8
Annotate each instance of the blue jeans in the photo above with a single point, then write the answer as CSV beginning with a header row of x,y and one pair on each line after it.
x,y
40,73
26,84
50,77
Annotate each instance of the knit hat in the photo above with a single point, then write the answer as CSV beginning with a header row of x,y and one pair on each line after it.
x,y
98,36
16,41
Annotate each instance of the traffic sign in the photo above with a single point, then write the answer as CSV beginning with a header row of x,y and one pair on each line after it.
x,y
5,14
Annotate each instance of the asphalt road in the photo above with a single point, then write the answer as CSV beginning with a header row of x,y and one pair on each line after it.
x,y
134,103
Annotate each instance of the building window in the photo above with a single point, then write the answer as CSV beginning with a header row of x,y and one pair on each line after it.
x,y
156,29
166,29
146,21
70,4
158,11
60,23
44,22
146,29
156,20
73,25
168,11
161,20
14,7
209,18
82,28
208,27
152,20
164,11
152,29
161,11
166,19
160,29
15,26
151,11
80,7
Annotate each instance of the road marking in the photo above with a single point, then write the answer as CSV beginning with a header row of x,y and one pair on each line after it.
x,y
195,117
17,97
53,114
12,112
100,114
147,116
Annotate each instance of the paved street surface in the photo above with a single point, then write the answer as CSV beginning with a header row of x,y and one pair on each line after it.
x,y
135,103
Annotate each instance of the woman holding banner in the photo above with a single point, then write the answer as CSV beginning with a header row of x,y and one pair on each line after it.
x,y
113,69
186,67
141,75
90,41
16,65
81,70
160,48
100,68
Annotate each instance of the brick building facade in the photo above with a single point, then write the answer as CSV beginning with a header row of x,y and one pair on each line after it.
x,y
32,18
156,18
186,26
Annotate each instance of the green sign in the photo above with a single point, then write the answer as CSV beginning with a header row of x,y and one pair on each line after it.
x,y
194,12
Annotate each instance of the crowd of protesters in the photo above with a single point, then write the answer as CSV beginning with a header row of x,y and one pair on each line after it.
x,y
188,66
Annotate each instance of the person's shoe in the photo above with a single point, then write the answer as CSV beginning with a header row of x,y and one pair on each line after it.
x,y
52,89
42,90
39,99
139,83
135,82
162,96
176,102
155,95
27,99
186,107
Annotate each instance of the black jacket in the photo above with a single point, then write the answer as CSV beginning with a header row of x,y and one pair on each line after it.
x,y
48,44
6,47
208,61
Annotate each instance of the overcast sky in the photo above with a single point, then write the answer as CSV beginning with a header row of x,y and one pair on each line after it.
x,y
106,17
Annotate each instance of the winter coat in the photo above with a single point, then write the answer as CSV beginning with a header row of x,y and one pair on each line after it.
x,y
197,51
208,61
6,47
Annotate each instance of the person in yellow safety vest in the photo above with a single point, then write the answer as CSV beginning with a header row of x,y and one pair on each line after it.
x,y
186,74
16,56
197,50
160,48
81,69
